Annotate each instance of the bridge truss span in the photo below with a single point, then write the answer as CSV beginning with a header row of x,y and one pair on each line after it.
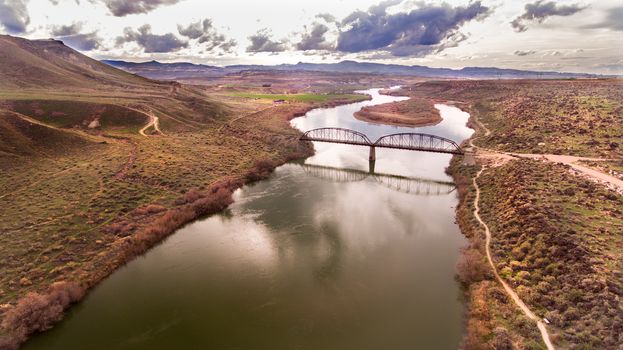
x,y
337,135
419,142
407,141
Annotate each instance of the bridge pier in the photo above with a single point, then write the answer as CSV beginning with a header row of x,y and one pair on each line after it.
x,y
372,154
371,166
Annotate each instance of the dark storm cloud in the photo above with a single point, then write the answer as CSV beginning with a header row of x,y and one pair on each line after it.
x,y
429,28
314,39
524,53
541,10
205,33
14,16
262,42
122,8
152,42
614,20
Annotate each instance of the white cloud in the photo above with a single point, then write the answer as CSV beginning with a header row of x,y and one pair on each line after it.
x,y
489,42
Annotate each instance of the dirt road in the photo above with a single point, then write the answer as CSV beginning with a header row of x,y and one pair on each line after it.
x,y
572,161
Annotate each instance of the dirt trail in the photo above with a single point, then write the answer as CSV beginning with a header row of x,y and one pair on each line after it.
x,y
498,159
153,121
245,116
524,308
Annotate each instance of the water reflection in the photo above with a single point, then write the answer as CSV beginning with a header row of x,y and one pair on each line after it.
x,y
411,185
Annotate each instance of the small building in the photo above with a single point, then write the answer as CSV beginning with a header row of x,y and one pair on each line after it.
x,y
278,102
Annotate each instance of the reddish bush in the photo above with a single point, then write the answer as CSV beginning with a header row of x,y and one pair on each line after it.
x,y
261,170
472,267
154,208
192,195
216,202
37,312
149,209
122,228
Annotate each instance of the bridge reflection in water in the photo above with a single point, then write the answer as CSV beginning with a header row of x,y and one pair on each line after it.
x,y
410,185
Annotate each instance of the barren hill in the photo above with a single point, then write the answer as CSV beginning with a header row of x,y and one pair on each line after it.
x,y
49,63
54,84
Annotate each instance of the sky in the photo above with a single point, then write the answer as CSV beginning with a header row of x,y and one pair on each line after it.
x,y
570,36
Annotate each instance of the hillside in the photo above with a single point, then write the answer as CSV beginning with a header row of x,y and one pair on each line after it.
x,y
36,64
23,136
52,83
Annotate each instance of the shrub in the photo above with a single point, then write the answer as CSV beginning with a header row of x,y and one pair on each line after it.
x,y
261,170
501,339
472,267
192,195
37,312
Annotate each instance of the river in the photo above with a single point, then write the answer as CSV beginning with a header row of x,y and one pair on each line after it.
x,y
314,257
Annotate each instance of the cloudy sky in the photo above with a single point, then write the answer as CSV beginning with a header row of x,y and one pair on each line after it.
x,y
574,36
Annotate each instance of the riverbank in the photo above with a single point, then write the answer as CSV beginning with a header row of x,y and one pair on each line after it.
x,y
250,268
415,112
35,305
552,241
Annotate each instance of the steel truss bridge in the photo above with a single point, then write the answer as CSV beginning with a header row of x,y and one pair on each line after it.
x,y
411,185
407,141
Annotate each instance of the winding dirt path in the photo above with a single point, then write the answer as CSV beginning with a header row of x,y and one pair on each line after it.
x,y
524,308
153,121
501,158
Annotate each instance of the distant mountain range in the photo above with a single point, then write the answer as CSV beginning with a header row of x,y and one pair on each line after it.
x,y
157,70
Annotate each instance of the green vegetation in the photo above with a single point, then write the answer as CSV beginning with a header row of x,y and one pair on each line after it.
x,y
306,97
